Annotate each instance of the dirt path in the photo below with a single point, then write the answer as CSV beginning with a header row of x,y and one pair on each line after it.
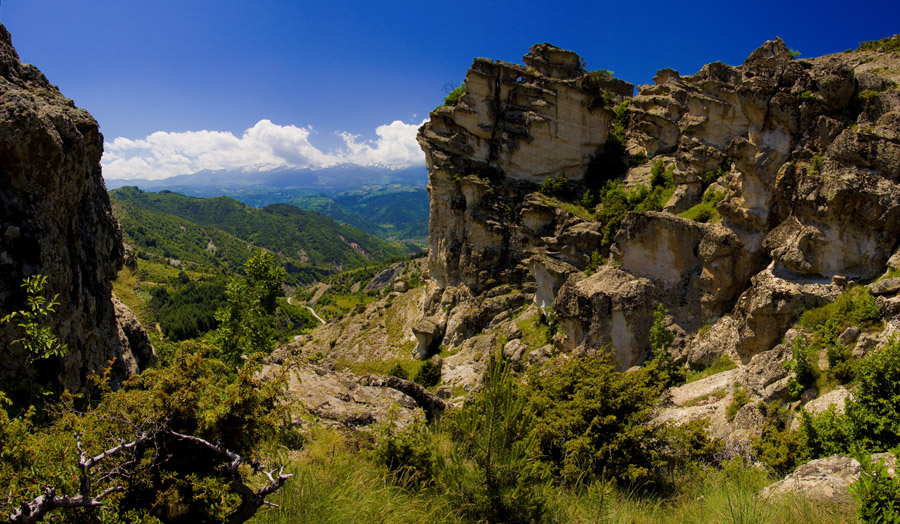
x,y
311,311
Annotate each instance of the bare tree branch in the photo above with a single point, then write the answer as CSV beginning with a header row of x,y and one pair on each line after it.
x,y
251,501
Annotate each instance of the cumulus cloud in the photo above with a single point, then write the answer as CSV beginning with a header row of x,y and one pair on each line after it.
x,y
263,147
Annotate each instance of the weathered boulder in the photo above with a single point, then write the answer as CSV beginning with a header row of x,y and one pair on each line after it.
x,y
826,480
56,220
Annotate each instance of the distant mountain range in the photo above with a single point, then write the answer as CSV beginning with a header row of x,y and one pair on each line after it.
x,y
222,233
389,203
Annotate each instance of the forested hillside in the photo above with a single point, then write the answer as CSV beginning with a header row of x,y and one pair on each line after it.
x,y
222,232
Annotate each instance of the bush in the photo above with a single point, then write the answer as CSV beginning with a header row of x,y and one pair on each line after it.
x,y
558,187
453,96
591,420
874,410
740,399
163,474
597,260
660,176
778,447
490,473
886,45
398,371
429,374
800,364
878,493
406,452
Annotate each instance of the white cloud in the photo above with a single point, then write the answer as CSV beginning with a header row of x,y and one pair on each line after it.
x,y
263,147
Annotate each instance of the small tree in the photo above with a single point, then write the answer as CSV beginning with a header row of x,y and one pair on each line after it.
x,y
37,340
490,471
660,337
244,322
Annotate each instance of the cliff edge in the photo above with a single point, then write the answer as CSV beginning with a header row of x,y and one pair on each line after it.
x,y
56,220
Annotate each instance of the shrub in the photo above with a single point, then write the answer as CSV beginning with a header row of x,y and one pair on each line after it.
x,y
591,420
886,45
429,374
660,176
489,473
398,371
166,471
740,399
778,447
597,260
874,410
660,337
827,433
406,452
558,187
800,364
453,96
878,492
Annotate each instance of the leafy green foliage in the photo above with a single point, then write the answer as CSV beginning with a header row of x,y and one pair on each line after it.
x,y
660,337
616,202
802,367
591,420
38,340
739,399
165,477
872,415
186,308
660,175
398,371
874,409
429,374
244,322
453,96
780,448
854,307
886,45
706,210
558,187
596,261
490,474
878,492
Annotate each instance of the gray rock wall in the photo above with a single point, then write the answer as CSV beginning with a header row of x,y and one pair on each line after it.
x,y
56,220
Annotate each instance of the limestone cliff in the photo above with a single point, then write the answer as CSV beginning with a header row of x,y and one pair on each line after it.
x,y
809,152
55,220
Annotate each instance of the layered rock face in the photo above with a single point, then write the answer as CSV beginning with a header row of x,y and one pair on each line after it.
x,y
810,151
514,127
55,220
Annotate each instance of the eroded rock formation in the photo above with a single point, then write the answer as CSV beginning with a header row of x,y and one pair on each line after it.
x,y
808,150
55,220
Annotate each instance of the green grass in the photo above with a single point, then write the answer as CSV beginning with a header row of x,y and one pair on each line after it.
x,y
703,212
333,484
535,333
380,367
336,482
715,396
573,209
722,363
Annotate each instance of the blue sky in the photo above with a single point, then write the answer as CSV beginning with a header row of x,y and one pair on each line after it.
x,y
325,80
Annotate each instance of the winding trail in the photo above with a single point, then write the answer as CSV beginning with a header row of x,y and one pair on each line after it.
x,y
310,310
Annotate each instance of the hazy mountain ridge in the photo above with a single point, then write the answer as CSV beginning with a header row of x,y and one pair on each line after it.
x,y
388,203
222,231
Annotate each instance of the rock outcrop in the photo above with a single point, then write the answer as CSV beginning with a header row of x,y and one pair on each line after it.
x,y
807,153
55,220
